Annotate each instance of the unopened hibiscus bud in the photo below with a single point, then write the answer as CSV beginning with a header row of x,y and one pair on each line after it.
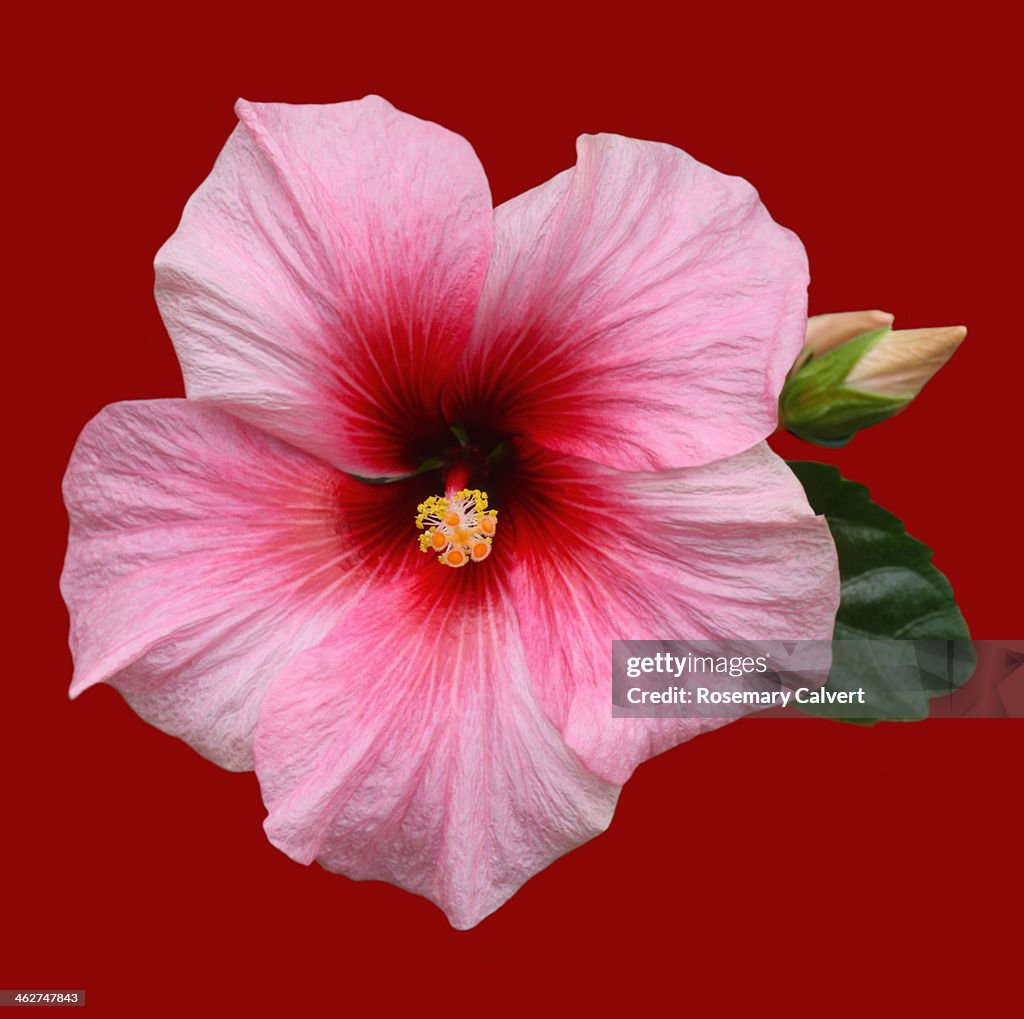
x,y
904,360
855,371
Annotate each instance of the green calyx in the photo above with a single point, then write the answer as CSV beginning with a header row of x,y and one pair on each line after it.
x,y
819,407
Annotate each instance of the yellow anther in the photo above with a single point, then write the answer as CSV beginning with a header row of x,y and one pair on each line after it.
x,y
459,528
435,506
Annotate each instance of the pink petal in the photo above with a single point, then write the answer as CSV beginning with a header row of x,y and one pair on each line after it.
x,y
203,556
730,550
409,747
641,310
324,277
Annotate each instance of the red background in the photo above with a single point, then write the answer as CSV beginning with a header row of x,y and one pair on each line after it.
x,y
812,863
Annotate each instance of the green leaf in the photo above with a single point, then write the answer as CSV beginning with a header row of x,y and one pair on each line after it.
x,y
889,592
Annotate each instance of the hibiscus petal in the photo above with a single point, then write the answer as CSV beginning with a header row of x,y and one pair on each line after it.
x,y
409,747
203,555
324,277
729,550
641,310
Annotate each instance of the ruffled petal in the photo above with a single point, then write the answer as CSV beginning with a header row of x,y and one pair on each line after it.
x,y
323,279
640,310
203,555
409,747
730,550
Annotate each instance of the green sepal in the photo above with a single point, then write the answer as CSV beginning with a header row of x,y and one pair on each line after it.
x,y
817,406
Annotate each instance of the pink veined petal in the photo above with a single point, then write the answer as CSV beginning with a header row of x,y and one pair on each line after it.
x,y
409,747
729,550
203,556
324,277
640,310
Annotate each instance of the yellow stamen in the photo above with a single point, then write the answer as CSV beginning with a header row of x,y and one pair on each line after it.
x,y
459,528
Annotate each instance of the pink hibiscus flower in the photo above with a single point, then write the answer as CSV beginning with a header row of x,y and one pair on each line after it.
x,y
598,361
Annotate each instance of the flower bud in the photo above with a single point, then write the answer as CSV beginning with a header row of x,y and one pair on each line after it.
x,y
857,371
904,360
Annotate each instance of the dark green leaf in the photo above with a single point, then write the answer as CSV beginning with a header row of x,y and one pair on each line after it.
x,y
890,592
